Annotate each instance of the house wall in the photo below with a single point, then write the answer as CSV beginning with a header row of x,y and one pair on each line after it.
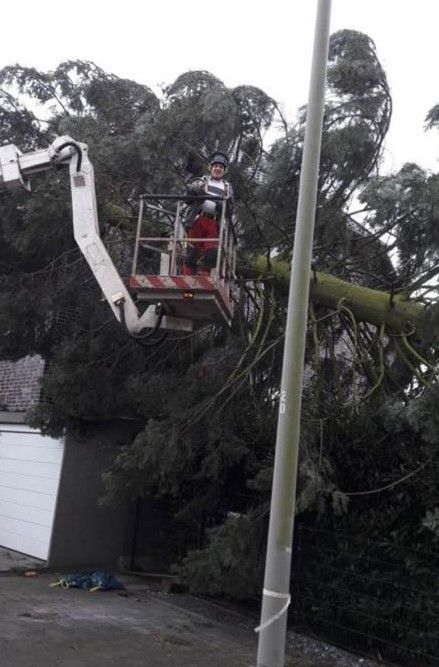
x,y
86,534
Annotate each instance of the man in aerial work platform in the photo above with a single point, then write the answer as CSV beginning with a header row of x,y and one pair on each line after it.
x,y
203,217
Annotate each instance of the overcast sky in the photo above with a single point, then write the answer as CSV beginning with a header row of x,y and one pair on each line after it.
x,y
263,43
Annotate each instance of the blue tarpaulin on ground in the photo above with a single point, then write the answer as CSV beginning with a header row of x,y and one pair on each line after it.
x,y
93,581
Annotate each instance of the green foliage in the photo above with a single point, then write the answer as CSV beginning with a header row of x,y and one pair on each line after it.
x,y
408,204
357,117
197,458
17,124
82,376
231,564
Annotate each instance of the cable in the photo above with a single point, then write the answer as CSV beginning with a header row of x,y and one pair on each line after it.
x,y
78,150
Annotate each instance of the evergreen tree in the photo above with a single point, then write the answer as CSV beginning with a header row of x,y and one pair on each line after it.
x,y
207,404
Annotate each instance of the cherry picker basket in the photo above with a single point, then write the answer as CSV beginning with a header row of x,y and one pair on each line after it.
x,y
157,273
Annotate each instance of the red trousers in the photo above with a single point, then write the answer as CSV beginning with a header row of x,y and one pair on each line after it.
x,y
206,251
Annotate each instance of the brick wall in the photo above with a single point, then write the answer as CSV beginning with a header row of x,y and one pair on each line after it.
x,y
19,383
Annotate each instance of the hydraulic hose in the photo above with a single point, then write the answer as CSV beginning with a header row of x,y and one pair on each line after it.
x,y
78,150
142,338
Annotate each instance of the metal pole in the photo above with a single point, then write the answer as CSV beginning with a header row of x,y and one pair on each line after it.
x,y
173,247
138,230
276,593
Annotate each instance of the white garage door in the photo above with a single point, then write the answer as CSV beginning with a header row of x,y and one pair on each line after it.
x,y
30,467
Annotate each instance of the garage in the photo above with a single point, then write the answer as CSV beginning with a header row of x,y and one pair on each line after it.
x,y
50,489
30,469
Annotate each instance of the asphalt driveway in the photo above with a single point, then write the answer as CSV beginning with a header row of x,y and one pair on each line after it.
x,y
41,626
53,627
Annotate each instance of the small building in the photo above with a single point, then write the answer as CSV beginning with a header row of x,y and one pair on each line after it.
x,y
30,465
50,489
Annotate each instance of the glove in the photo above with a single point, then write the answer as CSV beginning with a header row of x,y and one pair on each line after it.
x,y
196,187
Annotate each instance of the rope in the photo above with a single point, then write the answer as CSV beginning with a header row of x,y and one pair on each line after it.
x,y
279,614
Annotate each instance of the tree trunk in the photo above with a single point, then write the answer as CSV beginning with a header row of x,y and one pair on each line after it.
x,y
396,312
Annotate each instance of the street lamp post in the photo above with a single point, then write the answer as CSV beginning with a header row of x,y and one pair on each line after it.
x,y
276,595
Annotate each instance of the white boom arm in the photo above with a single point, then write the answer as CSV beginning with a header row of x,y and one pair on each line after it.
x,y
15,170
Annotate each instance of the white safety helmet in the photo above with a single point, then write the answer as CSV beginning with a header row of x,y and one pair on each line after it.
x,y
208,206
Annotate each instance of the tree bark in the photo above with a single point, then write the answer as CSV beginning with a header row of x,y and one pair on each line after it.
x,y
398,313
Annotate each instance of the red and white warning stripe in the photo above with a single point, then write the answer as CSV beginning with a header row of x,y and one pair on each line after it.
x,y
177,284
172,282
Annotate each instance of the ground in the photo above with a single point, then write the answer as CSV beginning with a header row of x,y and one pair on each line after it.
x,y
45,626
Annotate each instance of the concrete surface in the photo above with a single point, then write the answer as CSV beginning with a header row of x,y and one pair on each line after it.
x,y
13,560
140,627
54,627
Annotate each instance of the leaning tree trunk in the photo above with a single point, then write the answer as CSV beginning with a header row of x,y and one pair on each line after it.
x,y
398,313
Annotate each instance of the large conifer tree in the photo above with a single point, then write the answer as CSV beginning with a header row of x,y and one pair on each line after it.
x,y
207,404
